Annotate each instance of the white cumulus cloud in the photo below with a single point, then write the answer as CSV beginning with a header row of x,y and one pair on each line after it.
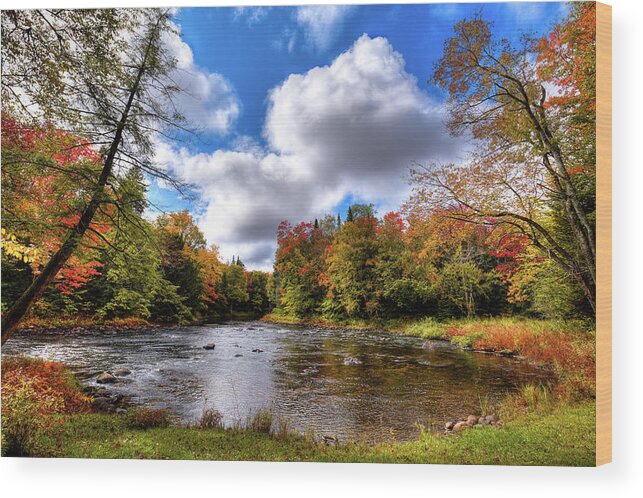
x,y
350,128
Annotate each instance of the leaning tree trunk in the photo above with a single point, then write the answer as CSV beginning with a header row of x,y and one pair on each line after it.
x,y
21,307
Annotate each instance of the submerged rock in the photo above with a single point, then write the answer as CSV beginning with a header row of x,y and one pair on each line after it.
x,y
106,378
209,346
430,345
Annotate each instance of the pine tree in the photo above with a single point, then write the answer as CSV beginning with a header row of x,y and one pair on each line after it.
x,y
339,220
316,223
349,216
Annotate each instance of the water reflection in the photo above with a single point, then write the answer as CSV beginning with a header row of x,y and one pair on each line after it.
x,y
301,374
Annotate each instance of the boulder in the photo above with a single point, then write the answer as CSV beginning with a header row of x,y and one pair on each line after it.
x,y
209,346
106,378
472,420
257,350
122,372
483,421
449,426
460,426
103,404
491,419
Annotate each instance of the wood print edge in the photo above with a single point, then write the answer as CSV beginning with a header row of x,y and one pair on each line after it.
x,y
604,233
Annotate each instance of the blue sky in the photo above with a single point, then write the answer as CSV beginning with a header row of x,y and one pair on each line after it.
x,y
305,109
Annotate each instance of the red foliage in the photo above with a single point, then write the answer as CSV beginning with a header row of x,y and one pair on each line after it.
x,y
50,381
49,175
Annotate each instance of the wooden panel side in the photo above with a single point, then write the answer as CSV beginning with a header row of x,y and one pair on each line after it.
x,y
604,233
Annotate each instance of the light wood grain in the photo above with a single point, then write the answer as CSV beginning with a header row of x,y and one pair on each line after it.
x,y
604,233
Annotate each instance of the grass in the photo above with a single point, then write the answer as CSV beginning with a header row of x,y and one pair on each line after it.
x,y
565,436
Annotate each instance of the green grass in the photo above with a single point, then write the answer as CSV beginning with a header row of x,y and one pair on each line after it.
x,y
428,328
564,436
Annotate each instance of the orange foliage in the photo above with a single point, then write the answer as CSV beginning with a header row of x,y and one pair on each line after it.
x,y
53,384
571,353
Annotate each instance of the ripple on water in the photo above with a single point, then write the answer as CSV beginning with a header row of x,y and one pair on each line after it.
x,y
300,374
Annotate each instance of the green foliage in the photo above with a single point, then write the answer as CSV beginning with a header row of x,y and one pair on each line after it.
x,y
235,286
463,283
22,422
428,328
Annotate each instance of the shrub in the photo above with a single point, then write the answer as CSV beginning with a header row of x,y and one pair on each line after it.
x,y
35,393
261,421
148,418
210,419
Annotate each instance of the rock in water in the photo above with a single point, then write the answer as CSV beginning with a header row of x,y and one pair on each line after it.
x,y
430,346
209,346
106,378
352,361
257,350
122,372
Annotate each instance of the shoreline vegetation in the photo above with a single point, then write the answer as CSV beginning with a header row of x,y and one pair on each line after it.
x,y
48,413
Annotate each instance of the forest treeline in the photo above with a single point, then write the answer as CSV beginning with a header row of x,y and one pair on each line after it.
x,y
129,265
509,230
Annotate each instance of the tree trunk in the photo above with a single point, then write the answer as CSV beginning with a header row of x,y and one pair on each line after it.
x,y
21,307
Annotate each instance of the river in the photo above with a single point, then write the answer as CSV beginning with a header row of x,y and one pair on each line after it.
x,y
371,386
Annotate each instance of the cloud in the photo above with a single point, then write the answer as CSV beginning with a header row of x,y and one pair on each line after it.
x,y
207,101
348,129
252,15
321,23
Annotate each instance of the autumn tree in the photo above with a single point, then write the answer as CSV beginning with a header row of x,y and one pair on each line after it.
x,y
524,171
114,100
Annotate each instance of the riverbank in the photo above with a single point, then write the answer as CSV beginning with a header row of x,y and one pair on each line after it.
x,y
73,324
46,414
566,347
564,437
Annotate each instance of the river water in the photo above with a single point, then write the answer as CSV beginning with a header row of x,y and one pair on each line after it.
x,y
371,386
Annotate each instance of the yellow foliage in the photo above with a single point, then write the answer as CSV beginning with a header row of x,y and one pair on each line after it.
x,y
12,248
